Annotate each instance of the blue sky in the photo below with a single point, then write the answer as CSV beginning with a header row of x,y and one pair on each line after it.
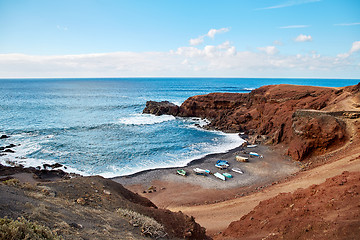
x,y
179,38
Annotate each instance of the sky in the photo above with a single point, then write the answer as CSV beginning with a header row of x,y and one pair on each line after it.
x,y
180,38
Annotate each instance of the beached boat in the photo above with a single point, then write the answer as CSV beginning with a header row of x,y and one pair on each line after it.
x,y
200,171
241,159
181,172
238,170
254,154
219,175
228,175
251,146
222,164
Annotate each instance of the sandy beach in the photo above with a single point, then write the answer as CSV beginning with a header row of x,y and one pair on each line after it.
x,y
172,189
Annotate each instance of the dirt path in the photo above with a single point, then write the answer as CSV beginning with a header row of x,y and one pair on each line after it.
x,y
216,217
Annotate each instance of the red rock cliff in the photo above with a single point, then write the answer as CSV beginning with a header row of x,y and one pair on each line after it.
x,y
274,114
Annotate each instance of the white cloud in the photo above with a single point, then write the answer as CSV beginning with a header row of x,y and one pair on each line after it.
x,y
209,51
347,24
355,47
196,41
289,4
213,32
295,26
210,34
303,38
270,50
343,55
224,45
207,61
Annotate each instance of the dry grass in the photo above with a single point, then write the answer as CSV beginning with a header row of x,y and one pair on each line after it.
x,y
12,182
149,226
24,229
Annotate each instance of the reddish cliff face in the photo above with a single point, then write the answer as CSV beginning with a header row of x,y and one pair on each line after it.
x,y
266,111
315,135
268,115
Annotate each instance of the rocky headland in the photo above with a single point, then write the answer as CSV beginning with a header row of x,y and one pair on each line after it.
x,y
307,120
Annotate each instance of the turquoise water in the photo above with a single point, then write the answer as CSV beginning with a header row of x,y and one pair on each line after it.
x,y
95,126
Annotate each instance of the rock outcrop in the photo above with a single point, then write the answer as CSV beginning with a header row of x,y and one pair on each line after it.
x,y
267,114
315,135
160,108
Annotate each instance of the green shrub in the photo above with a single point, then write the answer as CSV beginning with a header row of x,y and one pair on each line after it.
x,y
23,229
149,226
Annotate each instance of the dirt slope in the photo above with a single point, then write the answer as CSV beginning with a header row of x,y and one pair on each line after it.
x,y
330,210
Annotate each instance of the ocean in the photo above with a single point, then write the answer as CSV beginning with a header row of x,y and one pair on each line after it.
x,y
96,126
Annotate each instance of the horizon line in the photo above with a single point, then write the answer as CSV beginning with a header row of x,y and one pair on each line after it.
x,y
4,78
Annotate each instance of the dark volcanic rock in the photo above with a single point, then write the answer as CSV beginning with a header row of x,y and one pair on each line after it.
x,y
41,174
10,146
9,150
4,136
52,166
160,108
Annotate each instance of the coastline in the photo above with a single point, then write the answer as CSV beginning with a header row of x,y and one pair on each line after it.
x,y
274,166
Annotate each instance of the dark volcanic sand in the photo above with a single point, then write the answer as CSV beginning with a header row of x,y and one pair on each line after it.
x,y
273,166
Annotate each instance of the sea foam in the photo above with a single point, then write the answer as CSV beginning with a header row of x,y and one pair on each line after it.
x,y
194,152
145,119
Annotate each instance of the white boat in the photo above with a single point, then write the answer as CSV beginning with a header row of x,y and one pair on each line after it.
x,y
254,154
251,146
201,171
219,175
241,159
238,170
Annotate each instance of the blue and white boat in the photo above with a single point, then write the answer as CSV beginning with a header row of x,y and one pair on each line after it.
x,y
254,154
222,164
200,171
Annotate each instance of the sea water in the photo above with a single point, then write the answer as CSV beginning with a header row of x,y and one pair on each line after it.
x,y
96,126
